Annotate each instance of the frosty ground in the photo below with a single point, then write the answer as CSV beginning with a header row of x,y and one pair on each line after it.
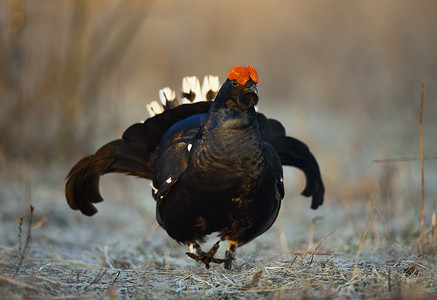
x,y
365,250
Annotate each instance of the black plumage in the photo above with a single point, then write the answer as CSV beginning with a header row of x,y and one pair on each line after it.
x,y
216,167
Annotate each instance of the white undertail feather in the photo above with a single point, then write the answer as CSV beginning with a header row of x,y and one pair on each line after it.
x,y
190,85
210,83
166,95
154,108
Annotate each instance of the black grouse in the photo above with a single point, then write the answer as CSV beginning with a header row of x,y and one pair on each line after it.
x,y
216,166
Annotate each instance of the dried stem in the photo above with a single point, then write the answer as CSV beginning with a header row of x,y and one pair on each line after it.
x,y
20,232
422,215
401,159
316,244
22,250
313,229
363,238
389,279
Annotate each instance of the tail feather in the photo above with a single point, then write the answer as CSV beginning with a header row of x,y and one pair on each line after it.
x,y
191,91
135,154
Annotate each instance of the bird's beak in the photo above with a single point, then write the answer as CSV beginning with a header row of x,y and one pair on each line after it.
x,y
252,89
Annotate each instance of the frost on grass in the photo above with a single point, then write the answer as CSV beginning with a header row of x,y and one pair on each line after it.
x,y
155,267
281,276
122,253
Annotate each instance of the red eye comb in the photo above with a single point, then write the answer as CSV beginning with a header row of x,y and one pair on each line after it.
x,y
243,74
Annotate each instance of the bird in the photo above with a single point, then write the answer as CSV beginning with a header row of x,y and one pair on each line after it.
x,y
216,164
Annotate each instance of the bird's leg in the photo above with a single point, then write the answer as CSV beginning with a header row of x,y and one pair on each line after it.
x,y
196,250
197,254
230,255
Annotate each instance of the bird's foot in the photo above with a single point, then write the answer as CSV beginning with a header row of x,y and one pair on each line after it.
x,y
229,257
208,257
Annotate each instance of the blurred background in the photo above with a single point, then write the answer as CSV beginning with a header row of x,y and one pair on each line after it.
x,y
342,76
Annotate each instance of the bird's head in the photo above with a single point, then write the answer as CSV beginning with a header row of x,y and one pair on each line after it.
x,y
240,91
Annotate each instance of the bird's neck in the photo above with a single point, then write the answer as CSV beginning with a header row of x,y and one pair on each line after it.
x,y
229,118
228,134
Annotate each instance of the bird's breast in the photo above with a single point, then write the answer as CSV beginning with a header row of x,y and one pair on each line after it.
x,y
227,164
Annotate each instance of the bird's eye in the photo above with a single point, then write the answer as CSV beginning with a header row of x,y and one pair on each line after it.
x,y
234,82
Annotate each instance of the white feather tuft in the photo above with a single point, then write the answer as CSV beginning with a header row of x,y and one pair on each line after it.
x,y
154,108
191,92
210,83
191,84
166,95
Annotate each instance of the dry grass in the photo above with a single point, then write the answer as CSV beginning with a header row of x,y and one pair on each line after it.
x,y
118,258
361,249
22,248
279,277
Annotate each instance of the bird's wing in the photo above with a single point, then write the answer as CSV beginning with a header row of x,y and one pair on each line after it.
x,y
277,166
170,166
134,154
294,153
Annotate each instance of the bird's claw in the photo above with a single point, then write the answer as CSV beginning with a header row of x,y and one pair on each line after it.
x,y
208,257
